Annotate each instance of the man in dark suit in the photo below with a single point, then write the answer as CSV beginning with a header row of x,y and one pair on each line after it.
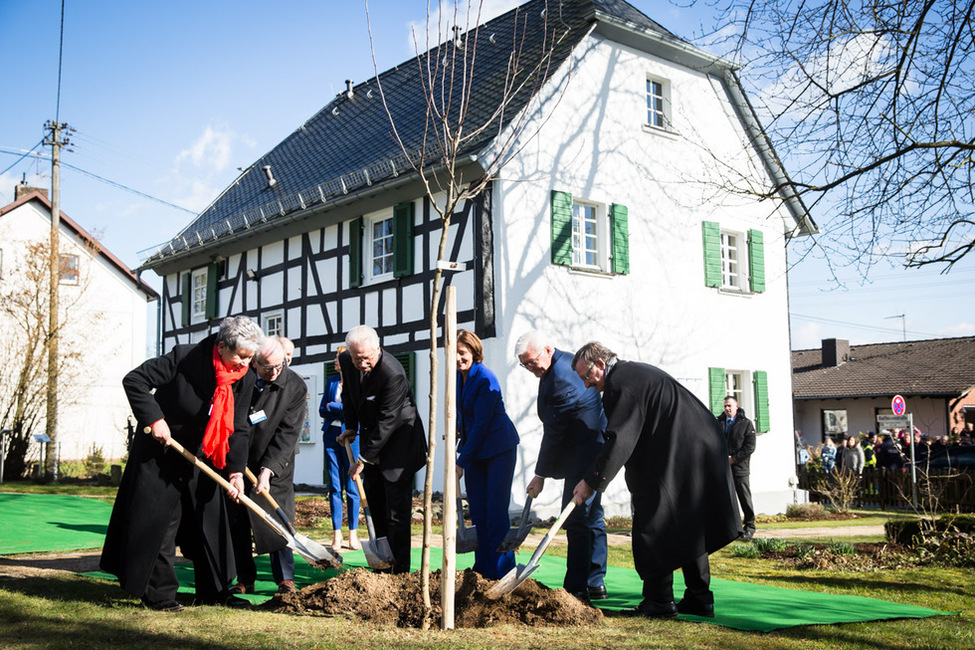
x,y
378,406
277,412
677,471
572,433
740,435
175,396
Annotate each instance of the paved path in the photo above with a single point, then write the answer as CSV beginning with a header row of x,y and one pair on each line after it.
x,y
835,531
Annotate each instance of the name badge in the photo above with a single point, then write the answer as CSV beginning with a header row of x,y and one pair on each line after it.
x,y
257,416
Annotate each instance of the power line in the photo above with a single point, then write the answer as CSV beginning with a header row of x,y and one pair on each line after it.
x,y
95,176
25,154
862,326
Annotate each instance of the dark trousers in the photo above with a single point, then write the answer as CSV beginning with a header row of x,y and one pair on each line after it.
x,y
208,578
488,493
585,532
282,561
744,490
659,588
391,506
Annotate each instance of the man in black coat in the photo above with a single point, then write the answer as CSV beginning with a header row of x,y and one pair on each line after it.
x,y
277,413
378,406
740,436
677,472
573,422
161,493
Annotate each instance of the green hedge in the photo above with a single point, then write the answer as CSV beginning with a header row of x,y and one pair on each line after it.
x,y
909,532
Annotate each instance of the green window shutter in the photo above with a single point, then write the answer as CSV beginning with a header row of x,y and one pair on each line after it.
x,y
406,359
712,253
355,253
186,299
716,389
403,240
561,228
619,225
761,401
756,260
212,291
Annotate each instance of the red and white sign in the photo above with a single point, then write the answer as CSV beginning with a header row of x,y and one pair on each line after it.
x,y
898,405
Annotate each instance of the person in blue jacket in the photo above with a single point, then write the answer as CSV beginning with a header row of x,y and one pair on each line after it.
x,y
337,459
486,454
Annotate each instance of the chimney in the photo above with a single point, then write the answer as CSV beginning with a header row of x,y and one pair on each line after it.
x,y
23,189
836,352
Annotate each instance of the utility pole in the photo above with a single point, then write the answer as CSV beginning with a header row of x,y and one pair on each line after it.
x,y
57,130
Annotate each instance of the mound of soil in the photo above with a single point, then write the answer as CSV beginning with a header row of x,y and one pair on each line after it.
x,y
316,511
388,599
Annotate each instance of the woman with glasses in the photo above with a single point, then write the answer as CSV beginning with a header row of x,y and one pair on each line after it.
x,y
486,454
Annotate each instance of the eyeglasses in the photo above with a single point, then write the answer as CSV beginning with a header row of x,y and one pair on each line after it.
x,y
268,368
589,372
531,363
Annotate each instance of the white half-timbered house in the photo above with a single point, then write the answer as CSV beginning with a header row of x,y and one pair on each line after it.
x,y
617,219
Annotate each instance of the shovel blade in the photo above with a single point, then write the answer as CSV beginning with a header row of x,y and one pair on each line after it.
x,y
378,553
315,553
511,580
513,540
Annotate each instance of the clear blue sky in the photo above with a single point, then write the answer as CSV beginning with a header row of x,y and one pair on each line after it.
x,y
169,99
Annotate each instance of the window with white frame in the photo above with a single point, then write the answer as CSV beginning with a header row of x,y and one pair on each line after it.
x,y
733,265
379,248
658,103
198,300
70,273
586,235
734,383
273,324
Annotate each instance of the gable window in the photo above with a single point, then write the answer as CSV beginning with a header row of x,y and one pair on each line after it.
x,y
749,388
589,235
733,261
273,324
69,269
381,245
658,103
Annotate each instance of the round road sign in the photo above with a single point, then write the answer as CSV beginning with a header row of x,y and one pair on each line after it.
x,y
897,405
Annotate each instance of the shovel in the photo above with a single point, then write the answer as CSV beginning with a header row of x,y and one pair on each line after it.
x,y
520,573
312,551
377,551
466,535
274,504
517,534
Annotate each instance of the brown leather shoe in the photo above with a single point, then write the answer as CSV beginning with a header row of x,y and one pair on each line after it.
x,y
242,588
286,587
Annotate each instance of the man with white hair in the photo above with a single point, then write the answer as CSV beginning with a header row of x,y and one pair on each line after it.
x,y
378,406
278,407
572,433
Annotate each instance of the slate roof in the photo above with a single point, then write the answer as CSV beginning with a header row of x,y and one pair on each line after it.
x,y
937,367
348,145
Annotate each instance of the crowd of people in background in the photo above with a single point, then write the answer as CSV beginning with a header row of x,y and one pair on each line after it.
x,y
890,451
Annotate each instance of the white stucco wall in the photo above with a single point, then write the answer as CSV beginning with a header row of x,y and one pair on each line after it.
x,y
930,415
106,327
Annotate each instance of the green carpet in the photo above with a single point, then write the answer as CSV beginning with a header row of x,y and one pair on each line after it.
x,y
37,523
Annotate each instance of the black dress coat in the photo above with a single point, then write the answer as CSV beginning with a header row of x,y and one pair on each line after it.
x,y
382,409
273,441
158,480
741,441
676,464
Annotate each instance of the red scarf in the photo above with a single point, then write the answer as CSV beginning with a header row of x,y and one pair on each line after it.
x,y
221,425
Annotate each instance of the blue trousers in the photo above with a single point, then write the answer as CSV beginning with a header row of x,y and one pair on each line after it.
x,y
488,492
585,532
337,463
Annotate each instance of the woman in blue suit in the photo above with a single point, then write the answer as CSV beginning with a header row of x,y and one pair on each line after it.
x,y
337,460
486,454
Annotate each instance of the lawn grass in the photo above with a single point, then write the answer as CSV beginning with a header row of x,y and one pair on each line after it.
x,y
56,612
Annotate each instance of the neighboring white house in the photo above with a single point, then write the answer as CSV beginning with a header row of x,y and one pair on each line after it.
x,y
617,220
105,326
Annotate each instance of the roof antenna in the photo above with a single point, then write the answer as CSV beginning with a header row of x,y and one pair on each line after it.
x,y
348,89
271,182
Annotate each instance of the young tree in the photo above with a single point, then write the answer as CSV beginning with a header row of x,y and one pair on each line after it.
x,y
24,326
873,104
455,74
